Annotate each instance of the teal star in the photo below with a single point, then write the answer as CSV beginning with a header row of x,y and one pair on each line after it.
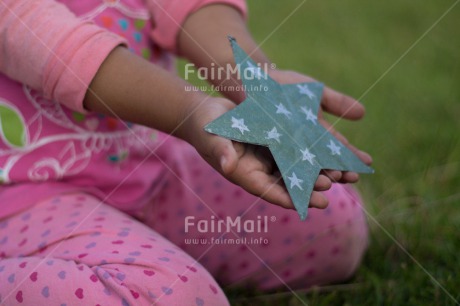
x,y
283,118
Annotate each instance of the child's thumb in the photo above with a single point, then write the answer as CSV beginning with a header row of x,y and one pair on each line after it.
x,y
225,155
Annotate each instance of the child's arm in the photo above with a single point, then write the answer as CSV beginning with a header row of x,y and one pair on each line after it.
x,y
203,40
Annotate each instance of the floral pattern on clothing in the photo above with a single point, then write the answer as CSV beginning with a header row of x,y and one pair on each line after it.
x,y
51,142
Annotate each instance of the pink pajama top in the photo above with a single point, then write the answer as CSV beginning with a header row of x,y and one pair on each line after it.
x,y
49,53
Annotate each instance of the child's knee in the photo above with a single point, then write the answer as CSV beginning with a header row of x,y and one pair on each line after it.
x,y
326,248
34,280
322,261
165,285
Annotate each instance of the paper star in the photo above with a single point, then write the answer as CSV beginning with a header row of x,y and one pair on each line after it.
x,y
305,149
307,155
304,90
335,150
273,134
239,124
310,116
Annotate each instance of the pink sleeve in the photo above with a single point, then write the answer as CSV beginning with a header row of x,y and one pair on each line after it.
x,y
169,16
43,45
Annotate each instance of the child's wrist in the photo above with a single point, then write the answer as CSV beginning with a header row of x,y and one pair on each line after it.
x,y
197,115
188,125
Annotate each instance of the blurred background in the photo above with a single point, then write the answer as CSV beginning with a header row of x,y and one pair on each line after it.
x,y
401,59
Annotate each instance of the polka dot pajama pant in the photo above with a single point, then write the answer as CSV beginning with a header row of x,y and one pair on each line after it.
x,y
74,250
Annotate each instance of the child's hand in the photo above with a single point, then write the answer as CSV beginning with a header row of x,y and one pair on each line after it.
x,y
337,104
198,35
251,167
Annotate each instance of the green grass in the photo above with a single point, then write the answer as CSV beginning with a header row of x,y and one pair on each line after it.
x,y
412,129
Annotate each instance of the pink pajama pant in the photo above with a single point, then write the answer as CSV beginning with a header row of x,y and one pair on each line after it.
x,y
74,250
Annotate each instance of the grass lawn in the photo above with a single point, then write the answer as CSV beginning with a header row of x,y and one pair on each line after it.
x,y
412,129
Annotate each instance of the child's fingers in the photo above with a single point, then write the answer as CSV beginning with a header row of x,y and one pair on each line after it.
x,y
268,187
341,105
364,156
273,192
318,200
322,183
349,177
223,154
334,175
271,189
341,176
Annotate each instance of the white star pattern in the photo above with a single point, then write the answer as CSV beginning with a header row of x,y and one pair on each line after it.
x,y
295,181
307,155
255,70
335,150
239,124
304,90
273,134
280,109
309,114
